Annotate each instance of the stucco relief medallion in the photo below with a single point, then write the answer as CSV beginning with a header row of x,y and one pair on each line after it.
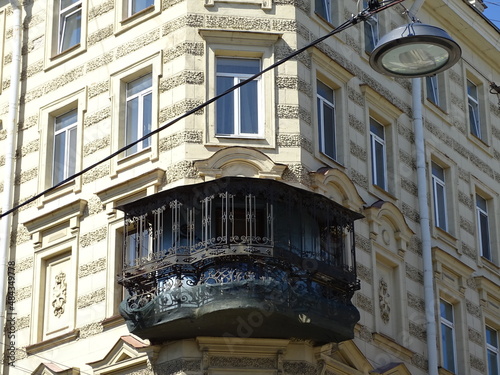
x,y
59,294
384,302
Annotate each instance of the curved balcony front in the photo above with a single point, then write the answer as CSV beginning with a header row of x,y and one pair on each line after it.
x,y
239,257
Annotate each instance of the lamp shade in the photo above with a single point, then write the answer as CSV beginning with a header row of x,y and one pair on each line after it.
x,y
415,50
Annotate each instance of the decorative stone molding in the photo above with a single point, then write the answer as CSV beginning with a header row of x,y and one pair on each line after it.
x,y
59,294
26,176
359,179
100,35
410,212
100,61
238,23
409,186
22,322
418,331
364,302
23,264
30,147
475,336
191,20
467,225
137,43
183,169
419,361
20,235
416,302
364,273
364,333
363,243
180,108
91,329
98,88
22,293
93,237
92,267
294,140
177,366
101,9
407,159
413,273
91,298
96,117
469,251
94,205
384,301
95,174
96,145
299,368
473,309
477,363
187,77
406,133
358,151
186,48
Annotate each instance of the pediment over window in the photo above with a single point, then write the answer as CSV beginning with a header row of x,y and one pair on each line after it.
x,y
239,161
336,185
50,368
388,224
127,354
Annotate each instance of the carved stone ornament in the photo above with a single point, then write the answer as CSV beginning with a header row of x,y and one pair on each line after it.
x,y
384,303
59,294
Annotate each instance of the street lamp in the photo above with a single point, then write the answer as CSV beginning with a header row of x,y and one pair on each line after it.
x,y
415,50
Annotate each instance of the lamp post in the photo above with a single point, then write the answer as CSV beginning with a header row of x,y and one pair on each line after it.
x,y
418,50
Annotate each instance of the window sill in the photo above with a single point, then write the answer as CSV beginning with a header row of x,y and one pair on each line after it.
x,y
381,193
64,56
446,237
480,143
137,15
127,162
489,264
66,189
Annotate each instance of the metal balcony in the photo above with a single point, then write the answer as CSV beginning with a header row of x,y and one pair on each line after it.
x,y
239,257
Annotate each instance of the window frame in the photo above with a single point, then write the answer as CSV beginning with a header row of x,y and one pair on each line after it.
x,y
70,138
438,181
443,321
55,29
47,116
238,102
375,165
64,16
123,75
222,43
125,20
138,126
475,127
320,104
481,215
491,348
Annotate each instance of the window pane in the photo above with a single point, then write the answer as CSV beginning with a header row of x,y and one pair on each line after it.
x,y
249,111
71,153
492,337
238,66
446,311
378,164
432,89
67,3
146,118
329,130
59,157
131,130
493,363
440,206
71,30
138,85
323,8
225,106
66,120
325,92
138,5
447,348
437,171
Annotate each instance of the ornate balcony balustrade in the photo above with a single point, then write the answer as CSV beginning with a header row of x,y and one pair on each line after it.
x,y
199,258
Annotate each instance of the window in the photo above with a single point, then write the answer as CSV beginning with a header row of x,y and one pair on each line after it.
x,y
483,226
138,113
473,102
326,120
65,140
372,34
239,113
447,336
378,152
135,6
70,23
433,89
324,9
493,352
439,196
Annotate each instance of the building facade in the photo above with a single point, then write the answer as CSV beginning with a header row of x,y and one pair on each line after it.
x,y
274,231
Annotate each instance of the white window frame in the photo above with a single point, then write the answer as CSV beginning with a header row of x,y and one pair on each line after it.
x,y
493,350
141,97
130,4
126,20
376,164
482,216
432,83
326,10
444,322
69,132
238,103
321,103
439,185
64,14
474,109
